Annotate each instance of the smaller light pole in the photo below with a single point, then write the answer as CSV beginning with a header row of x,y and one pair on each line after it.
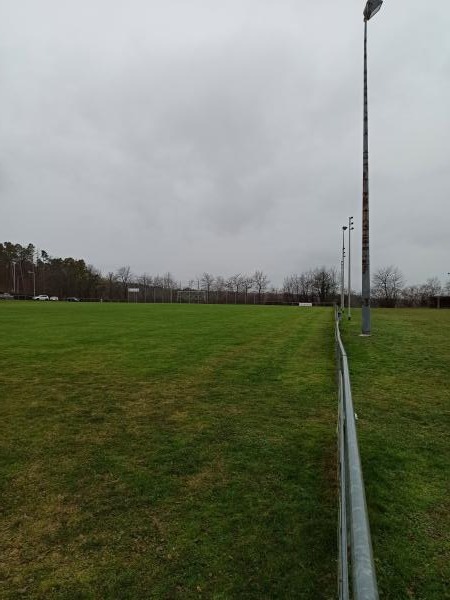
x,y
14,276
34,281
350,229
344,229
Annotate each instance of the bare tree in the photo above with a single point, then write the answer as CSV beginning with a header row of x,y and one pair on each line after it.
x,y
305,283
387,284
219,286
123,275
293,287
234,284
111,279
158,281
324,283
430,289
207,281
157,287
145,281
261,282
91,281
170,284
318,284
447,287
411,296
246,283
289,287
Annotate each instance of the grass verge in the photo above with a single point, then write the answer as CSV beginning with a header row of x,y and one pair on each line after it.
x,y
401,387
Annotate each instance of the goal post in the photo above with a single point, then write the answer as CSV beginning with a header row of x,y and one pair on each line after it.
x,y
191,296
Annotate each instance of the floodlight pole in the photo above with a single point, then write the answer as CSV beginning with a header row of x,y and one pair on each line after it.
x,y
350,229
343,270
14,276
371,9
34,281
366,325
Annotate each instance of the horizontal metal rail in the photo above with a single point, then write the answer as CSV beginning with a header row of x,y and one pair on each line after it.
x,y
355,546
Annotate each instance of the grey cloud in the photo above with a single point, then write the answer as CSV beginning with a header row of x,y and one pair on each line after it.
x,y
223,136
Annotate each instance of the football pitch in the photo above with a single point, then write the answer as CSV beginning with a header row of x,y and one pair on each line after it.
x,y
167,451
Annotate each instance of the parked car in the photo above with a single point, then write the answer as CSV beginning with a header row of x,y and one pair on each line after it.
x,y
41,297
6,296
72,299
54,298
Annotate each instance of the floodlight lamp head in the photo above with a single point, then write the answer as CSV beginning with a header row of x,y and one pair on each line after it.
x,y
344,227
372,7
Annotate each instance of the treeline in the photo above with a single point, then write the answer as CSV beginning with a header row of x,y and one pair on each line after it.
x,y
26,271
389,290
317,285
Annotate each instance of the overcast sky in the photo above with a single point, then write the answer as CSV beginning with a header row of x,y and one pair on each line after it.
x,y
198,135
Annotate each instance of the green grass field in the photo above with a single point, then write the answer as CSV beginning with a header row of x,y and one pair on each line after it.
x,y
167,452
401,388
190,451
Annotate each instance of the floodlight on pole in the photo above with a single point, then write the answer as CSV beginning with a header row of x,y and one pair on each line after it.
x,y
372,7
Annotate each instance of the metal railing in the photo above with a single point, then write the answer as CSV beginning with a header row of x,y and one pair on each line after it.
x,y
355,546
